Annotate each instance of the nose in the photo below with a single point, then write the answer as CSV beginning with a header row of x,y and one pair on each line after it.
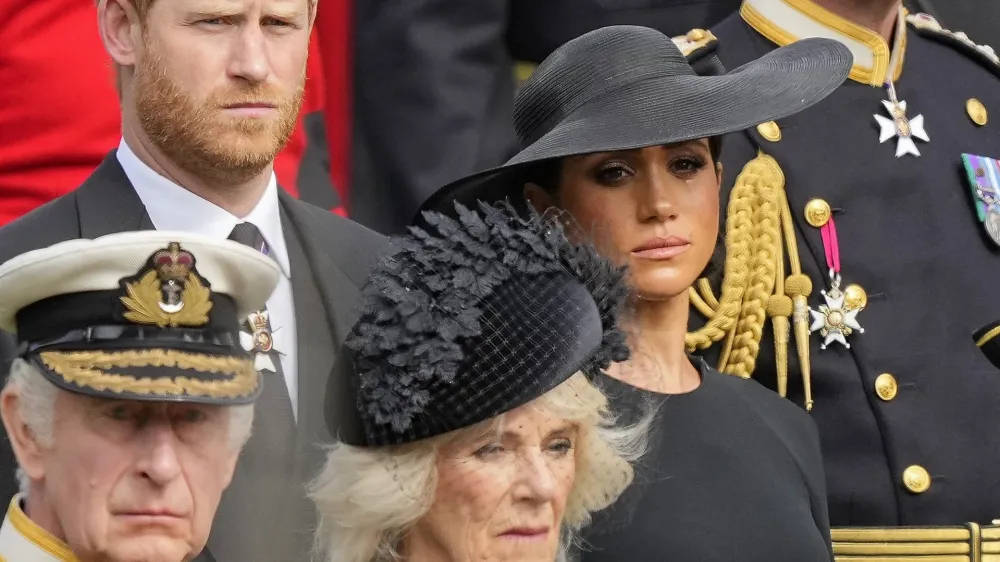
x,y
536,482
158,461
657,197
249,59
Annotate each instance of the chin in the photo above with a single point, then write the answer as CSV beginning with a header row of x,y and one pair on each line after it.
x,y
661,287
662,280
523,553
146,548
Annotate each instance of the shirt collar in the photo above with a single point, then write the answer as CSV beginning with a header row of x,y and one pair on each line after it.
x,y
22,540
171,207
786,21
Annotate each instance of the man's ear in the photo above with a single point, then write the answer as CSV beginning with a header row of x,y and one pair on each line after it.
x,y
120,30
27,448
312,13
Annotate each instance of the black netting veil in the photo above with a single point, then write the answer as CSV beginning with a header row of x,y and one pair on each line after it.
x,y
475,316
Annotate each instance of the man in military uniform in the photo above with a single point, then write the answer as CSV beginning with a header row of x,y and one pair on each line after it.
x,y
435,80
876,249
131,394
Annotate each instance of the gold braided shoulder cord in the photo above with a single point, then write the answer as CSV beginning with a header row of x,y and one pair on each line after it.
x,y
754,287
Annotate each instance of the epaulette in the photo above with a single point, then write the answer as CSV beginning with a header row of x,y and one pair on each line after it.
x,y
694,40
699,46
929,27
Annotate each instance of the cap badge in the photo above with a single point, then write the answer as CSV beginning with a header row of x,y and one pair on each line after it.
x,y
169,293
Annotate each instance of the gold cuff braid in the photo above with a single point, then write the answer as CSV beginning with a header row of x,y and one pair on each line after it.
x,y
969,543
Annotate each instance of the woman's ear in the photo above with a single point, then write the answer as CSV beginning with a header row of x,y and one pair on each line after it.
x,y
538,197
718,174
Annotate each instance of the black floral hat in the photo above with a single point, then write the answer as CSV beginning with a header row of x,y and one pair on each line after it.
x,y
472,318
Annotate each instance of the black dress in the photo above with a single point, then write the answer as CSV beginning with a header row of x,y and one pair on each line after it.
x,y
733,474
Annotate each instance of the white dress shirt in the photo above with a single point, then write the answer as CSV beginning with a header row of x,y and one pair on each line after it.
x,y
171,207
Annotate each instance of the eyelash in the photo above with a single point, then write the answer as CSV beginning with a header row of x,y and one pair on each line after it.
x,y
694,164
560,447
269,21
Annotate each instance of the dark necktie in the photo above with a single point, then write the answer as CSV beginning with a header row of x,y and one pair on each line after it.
x,y
258,492
275,388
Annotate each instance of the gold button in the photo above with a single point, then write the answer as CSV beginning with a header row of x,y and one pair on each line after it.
x,y
770,131
818,212
916,479
855,297
977,111
886,387
696,34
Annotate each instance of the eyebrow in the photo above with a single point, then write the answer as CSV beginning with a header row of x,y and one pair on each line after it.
x,y
562,430
228,9
288,13
700,143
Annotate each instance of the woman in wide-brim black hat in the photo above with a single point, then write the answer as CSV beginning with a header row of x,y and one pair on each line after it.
x,y
618,129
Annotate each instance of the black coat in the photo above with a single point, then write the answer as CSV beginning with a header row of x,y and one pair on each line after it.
x,y
733,473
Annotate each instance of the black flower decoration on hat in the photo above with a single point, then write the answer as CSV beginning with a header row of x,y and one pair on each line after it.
x,y
423,304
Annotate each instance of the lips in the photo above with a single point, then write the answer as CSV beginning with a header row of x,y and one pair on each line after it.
x,y
154,512
258,105
661,248
526,532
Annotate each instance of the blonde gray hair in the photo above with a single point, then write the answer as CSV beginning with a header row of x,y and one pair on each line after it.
x,y
367,499
37,398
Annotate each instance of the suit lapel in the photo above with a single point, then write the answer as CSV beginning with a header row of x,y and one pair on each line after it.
x,y
108,204
321,329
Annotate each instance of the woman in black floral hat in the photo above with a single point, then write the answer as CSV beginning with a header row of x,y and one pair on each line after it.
x,y
474,433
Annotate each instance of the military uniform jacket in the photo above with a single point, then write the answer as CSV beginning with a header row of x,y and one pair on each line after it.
x,y
908,414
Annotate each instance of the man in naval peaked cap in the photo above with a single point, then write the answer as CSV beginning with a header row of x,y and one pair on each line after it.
x,y
131,394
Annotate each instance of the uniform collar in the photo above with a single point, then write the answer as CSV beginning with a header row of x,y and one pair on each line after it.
x,y
786,21
171,207
21,540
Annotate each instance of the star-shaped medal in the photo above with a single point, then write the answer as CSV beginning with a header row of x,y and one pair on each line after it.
x,y
900,126
259,341
834,321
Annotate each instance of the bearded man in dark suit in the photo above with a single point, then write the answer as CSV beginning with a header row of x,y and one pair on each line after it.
x,y
209,93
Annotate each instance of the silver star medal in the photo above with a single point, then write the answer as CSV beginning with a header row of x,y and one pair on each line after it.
x,y
900,126
260,341
834,321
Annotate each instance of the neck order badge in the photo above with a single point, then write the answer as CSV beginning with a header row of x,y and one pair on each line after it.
x,y
900,126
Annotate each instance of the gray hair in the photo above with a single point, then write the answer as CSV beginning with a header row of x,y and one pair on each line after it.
x,y
367,499
37,396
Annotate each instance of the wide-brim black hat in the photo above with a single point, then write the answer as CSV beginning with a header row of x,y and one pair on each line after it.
x,y
148,315
627,87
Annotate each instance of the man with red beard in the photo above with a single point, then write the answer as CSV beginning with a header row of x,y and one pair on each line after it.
x,y
48,146
210,93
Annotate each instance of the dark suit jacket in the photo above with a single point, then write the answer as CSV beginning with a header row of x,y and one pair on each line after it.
x,y
334,257
434,84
